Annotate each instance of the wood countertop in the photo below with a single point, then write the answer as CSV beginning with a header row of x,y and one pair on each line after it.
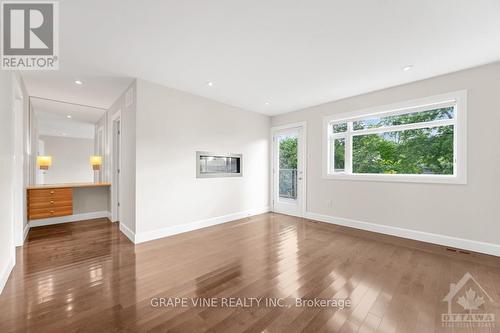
x,y
69,185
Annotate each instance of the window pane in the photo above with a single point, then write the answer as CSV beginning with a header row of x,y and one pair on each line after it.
x,y
339,128
288,167
418,151
408,118
338,155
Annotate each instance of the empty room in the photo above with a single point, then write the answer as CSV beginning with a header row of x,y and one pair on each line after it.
x,y
250,166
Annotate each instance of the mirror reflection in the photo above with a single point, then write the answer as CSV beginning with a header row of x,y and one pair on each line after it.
x,y
68,140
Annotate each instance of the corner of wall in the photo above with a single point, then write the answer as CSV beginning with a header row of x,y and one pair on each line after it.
x,y
5,272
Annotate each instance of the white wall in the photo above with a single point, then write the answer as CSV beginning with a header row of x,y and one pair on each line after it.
x,y
465,211
22,157
7,254
90,200
171,127
70,159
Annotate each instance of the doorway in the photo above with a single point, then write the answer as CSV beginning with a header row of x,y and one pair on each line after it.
x,y
288,169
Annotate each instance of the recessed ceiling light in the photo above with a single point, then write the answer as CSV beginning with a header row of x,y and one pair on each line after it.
x,y
210,83
267,103
407,68
68,116
78,82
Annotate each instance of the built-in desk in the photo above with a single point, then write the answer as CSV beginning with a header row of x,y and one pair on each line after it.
x,y
54,200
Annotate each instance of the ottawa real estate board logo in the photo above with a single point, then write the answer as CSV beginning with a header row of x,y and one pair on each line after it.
x,y
30,35
467,303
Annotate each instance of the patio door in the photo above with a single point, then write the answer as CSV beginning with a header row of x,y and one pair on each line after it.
x,y
289,170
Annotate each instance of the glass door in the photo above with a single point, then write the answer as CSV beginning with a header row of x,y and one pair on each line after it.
x,y
288,171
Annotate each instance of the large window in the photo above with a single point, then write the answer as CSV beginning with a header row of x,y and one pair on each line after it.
x,y
417,141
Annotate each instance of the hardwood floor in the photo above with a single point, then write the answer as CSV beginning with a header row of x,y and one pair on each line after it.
x,y
88,277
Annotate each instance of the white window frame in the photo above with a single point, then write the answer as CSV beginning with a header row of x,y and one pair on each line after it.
x,y
458,99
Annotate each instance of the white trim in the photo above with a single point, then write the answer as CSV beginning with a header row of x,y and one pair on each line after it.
x,y
18,192
288,126
457,99
275,129
26,231
178,229
414,105
455,242
440,179
100,149
114,204
5,273
127,232
70,218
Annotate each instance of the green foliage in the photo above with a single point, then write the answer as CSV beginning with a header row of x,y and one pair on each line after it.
x,y
288,153
339,161
418,151
408,118
288,168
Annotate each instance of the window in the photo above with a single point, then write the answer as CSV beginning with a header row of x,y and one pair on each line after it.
x,y
218,165
416,141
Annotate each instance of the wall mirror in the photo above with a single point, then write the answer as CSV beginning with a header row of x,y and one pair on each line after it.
x,y
67,142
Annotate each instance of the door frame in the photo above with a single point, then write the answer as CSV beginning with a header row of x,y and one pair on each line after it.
x,y
303,185
115,177
99,149
18,188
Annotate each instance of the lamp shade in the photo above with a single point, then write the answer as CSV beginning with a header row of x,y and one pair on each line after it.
x,y
96,162
44,162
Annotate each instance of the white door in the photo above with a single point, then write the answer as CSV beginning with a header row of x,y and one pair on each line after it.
x,y
289,171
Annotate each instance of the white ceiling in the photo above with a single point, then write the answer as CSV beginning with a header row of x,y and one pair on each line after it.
x,y
63,119
292,54
55,125
97,90
77,112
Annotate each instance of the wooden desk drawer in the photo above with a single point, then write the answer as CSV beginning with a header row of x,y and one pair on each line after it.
x,y
50,203
38,213
48,200
48,214
45,203
44,193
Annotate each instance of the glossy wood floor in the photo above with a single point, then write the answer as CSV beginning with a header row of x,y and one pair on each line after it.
x,y
88,277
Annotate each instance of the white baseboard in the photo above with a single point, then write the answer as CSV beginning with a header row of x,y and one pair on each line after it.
x,y
26,230
177,229
70,218
5,273
460,243
127,232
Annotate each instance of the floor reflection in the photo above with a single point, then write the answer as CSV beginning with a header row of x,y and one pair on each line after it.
x,y
89,277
